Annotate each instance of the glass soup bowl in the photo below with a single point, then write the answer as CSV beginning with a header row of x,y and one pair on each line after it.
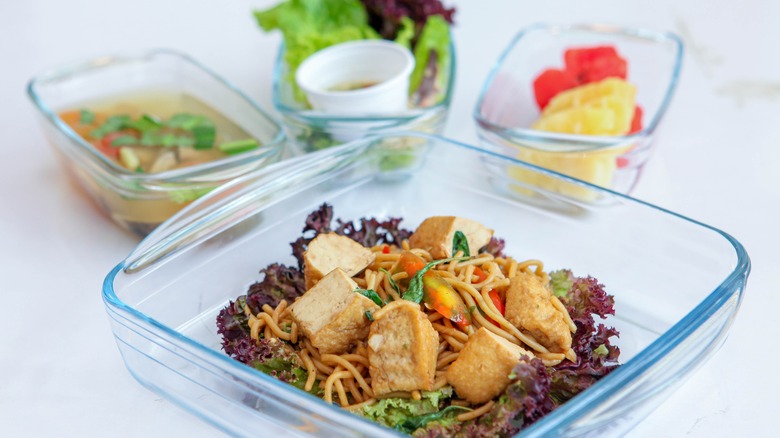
x,y
141,201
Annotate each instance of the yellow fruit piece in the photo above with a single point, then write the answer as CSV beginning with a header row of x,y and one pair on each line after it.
x,y
597,167
586,94
601,108
585,120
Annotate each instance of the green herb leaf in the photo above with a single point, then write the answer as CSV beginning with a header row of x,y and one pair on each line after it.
x,y
145,123
393,284
124,140
460,243
165,139
239,146
183,121
86,117
413,423
415,291
371,295
112,124
369,316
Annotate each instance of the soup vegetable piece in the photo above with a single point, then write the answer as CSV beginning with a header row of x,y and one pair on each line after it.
x,y
151,134
434,332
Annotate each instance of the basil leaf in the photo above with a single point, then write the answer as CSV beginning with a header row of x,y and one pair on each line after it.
x,y
415,291
413,423
371,295
86,117
460,243
392,282
369,316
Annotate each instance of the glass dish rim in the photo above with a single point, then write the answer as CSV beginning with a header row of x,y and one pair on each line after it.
x,y
564,415
596,142
315,117
176,175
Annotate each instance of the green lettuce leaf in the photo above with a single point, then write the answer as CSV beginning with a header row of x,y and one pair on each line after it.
x,y
393,412
405,33
561,282
434,38
312,25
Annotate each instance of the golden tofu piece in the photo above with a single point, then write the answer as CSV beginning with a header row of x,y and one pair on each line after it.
x,y
330,251
435,235
332,314
530,309
481,371
402,349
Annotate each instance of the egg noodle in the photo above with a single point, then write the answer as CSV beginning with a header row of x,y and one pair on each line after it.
x,y
347,374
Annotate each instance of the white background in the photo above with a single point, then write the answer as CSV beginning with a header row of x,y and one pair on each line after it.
x,y
717,160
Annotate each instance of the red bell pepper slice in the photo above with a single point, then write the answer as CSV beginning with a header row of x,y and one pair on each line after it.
x,y
437,293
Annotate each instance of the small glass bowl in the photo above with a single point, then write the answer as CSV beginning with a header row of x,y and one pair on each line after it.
x,y
678,283
140,202
506,106
309,130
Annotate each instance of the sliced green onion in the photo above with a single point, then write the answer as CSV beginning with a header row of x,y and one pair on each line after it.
x,y
239,146
86,117
205,135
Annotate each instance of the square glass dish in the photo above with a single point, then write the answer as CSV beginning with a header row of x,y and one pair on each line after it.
x,y
141,201
309,130
506,107
677,283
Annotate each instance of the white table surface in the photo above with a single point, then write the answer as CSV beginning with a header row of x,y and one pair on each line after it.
x,y
717,160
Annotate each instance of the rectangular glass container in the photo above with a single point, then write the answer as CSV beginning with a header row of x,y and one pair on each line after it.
x,y
677,283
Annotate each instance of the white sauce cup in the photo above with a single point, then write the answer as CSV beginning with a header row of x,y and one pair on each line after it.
x,y
378,69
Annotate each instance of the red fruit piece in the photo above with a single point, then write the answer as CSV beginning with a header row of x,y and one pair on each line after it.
x,y
595,63
636,122
551,82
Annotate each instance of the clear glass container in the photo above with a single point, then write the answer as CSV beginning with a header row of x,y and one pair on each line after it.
x,y
141,201
309,130
506,107
677,283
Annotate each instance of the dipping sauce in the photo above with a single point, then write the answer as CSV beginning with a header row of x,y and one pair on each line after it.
x,y
351,86
156,132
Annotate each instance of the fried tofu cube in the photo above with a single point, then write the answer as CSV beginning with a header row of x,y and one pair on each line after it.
x,y
529,307
481,371
332,314
435,235
402,349
330,251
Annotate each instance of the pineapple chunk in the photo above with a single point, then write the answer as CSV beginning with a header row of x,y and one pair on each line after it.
x,y
599,108
594,91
